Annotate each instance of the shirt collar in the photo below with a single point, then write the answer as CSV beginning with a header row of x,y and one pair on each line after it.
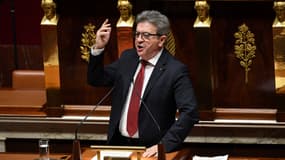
x,y
154,59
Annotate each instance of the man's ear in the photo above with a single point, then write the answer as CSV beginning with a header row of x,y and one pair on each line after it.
x,y
162,40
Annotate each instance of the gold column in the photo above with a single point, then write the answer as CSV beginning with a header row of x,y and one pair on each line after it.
x,y
51,58
125,26
203,55
278,30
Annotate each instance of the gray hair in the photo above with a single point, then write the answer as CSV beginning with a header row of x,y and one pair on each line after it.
x,y
157,19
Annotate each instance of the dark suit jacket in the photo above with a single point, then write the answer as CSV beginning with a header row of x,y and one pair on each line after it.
x,y
169,88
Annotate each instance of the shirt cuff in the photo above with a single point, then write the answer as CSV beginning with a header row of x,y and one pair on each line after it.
x,y
96,52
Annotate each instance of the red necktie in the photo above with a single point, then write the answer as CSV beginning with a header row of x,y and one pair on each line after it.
x,y
132,120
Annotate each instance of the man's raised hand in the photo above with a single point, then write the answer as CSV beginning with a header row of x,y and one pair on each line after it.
x,y
103,35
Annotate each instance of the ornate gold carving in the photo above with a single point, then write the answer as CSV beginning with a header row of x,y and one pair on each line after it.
x,y
170,43
126,16
279,58
203,18
50,16
87,40
245,48
279,8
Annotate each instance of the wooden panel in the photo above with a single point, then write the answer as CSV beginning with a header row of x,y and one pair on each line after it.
x,y
229,84
187,154
245,114
227,76
29,156
73,69
29,57
22,97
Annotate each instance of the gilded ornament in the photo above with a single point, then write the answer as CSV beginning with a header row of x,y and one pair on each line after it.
x,y
170,43
279,8
126,17
50,16
245,48
87,40
203,17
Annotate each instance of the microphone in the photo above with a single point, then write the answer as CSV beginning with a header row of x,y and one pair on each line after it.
x,y
76,151
151,115
160,149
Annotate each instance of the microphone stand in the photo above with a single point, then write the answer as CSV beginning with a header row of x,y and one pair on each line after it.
x,y
160,151
160,147
76,149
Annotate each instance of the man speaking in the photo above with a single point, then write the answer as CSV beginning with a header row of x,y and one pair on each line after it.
x,y
150,85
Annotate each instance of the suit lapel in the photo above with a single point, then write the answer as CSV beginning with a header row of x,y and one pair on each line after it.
x,y
131,67
159,68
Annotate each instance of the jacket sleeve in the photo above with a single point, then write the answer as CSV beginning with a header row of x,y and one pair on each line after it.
x,y
98,74
187,107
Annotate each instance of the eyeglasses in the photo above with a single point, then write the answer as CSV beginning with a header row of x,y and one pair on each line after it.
x,y
145,35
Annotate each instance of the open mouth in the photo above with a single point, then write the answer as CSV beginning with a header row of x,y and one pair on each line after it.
x,y
140,47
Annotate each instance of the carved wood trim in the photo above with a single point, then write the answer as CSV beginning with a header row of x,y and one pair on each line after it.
x,y
245,113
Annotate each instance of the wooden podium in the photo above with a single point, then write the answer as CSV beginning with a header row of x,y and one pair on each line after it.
x,y
136,153
31,156
117,152
185,154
